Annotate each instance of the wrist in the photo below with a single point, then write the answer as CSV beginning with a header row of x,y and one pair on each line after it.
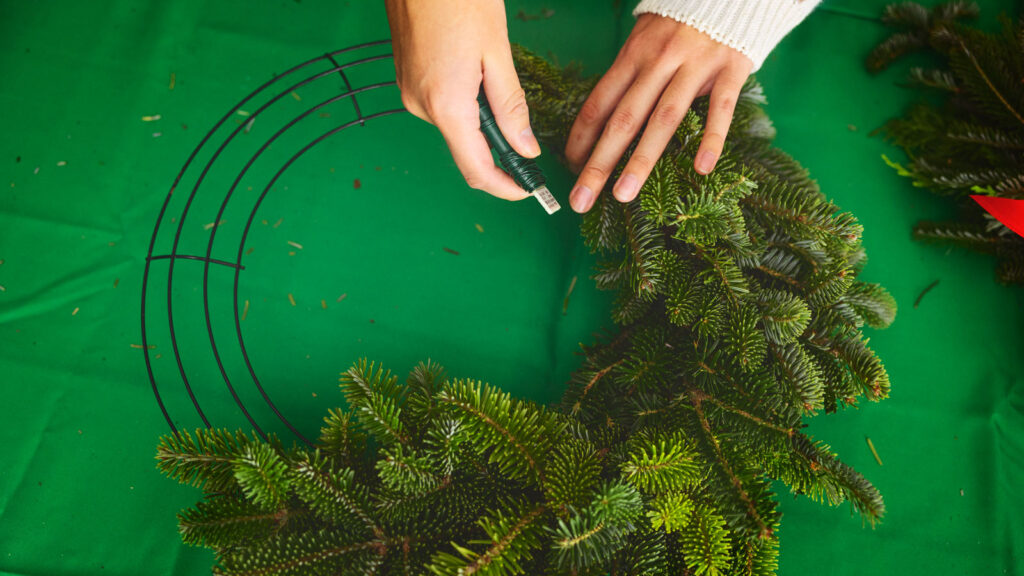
x,y
752,27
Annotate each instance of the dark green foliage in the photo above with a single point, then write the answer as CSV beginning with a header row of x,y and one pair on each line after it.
x,y
973,143
740,315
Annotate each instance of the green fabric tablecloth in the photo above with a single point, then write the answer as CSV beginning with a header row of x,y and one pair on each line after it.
x,y
429,269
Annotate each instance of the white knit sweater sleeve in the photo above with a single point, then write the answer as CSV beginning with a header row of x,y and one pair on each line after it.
x,y
753,27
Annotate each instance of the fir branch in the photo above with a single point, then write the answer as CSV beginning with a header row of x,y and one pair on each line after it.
x,y
333,495
696,398
491,412
224,521
203,460
988,82
300,551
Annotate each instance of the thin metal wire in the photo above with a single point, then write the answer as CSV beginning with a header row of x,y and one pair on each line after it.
x,y
245,233
206,259
150,257
209,249
348,86
184,215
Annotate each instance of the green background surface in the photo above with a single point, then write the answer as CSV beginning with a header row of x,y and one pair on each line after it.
x,y
78,423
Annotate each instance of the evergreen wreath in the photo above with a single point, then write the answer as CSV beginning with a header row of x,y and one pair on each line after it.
x,y
973,142
740,313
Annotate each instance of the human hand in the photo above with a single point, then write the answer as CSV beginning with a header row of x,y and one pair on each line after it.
x,y
443,50
663,66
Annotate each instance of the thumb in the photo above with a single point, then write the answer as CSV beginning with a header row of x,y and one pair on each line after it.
x,y
508,102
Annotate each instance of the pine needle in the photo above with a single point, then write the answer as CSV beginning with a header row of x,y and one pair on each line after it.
x,y
170,86
245,310
925,291
140,346
295,244
565,303
874,452
450,251
291,298
296,96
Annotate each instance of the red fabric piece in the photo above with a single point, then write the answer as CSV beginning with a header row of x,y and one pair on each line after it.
x,y
1007,210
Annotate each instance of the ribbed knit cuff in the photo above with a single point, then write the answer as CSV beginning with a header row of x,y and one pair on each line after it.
x,y
752,27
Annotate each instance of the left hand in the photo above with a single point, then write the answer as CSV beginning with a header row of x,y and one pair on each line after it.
x,y
663,66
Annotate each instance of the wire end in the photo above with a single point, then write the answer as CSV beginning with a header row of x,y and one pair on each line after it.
x,y
546,199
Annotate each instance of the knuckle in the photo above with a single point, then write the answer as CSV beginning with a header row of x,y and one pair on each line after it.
x,y
475,181
668,115
714,139
674,47
642,161
622,122
590,113
515,105
410,102
438,102
595,173
725,103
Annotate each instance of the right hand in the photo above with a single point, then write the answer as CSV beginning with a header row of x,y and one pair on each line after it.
x,y
444,50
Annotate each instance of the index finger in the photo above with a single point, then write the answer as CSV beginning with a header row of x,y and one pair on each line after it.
x,y
473,156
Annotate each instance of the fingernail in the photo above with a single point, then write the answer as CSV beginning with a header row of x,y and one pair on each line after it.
x,y
529,141
581,198
626,188
705,162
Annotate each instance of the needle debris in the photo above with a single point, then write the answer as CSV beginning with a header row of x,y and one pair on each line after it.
x,y
565,303
874,452
925,291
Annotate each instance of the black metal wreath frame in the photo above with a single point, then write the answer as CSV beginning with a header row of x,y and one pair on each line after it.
x,y
207,259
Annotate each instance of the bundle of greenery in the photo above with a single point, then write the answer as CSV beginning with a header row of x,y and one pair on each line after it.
x,y
972,142
739,315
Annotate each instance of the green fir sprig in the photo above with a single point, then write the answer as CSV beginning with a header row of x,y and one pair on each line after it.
x,y
973,142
